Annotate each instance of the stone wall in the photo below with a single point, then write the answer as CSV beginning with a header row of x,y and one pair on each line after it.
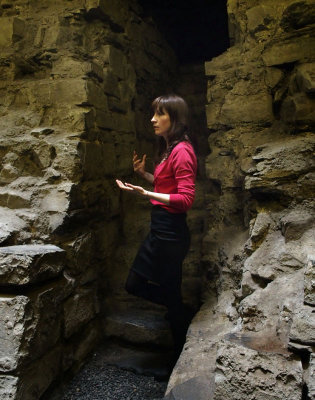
x,y
76,82
254,336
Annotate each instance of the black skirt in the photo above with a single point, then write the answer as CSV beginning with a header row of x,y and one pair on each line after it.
x,y
161,255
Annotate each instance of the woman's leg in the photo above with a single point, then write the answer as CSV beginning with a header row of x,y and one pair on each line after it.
x,y
170,249
171,257
139,286
169,295
176,316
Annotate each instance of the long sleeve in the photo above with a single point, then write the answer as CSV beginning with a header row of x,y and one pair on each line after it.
x,y
176,176
184,168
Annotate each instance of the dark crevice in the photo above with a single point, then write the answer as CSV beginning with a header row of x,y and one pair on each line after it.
x,y
305,395
97,13
266,196
260,281
305,359
304,355
214,187
196,31
287,67
28,288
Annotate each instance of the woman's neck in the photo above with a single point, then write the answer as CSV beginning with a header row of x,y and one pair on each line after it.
x,y
166,141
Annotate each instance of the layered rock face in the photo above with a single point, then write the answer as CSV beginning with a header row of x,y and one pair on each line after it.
x,y
254,337
76,77
76,81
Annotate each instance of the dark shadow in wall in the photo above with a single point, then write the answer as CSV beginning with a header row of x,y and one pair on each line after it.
x,y
197,31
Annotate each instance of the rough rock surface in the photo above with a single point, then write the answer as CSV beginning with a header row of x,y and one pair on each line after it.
x,y
254,335
76,81
26,264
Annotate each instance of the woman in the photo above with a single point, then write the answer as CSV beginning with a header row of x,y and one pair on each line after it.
x,y
156,273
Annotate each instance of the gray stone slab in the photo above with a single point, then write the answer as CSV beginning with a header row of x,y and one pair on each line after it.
x,y
139,326
266,375
79,309
25,264
31,325
8,387
12,330
30,249
155,363
10,223
303,326
198,388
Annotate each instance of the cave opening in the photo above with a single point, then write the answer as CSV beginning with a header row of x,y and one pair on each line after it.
x,y
197,32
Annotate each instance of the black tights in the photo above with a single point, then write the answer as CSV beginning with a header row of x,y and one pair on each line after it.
x,y
141,287
166,295
160,257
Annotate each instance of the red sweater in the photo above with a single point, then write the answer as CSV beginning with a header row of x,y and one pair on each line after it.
x,y
176,176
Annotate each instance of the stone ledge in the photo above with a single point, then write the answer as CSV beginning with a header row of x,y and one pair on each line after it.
x,y
31,325
138,326
27,264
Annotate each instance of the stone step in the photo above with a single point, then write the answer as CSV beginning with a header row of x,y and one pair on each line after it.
x,y
142,361
138,326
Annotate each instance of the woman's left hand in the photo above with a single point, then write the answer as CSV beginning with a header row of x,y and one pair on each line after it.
x,y
131,188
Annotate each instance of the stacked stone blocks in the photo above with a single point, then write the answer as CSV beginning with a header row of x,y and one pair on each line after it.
x,y
259,248
76,79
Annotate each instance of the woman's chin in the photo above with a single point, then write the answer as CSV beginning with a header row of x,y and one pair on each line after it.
x,y
159,133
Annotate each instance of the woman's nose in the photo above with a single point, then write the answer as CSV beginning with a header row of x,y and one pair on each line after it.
x,y
153,119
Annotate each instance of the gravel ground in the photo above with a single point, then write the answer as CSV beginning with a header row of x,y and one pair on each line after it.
x,y
105,382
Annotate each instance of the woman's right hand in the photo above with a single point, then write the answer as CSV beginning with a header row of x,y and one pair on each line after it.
x,y
138,164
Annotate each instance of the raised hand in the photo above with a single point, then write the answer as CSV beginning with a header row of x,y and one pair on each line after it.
x,y
138,164
139,167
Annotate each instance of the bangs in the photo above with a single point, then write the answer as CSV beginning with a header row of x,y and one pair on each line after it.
x,y
158,105
179,130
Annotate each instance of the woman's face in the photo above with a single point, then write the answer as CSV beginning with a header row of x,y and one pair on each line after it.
x,y
161,123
